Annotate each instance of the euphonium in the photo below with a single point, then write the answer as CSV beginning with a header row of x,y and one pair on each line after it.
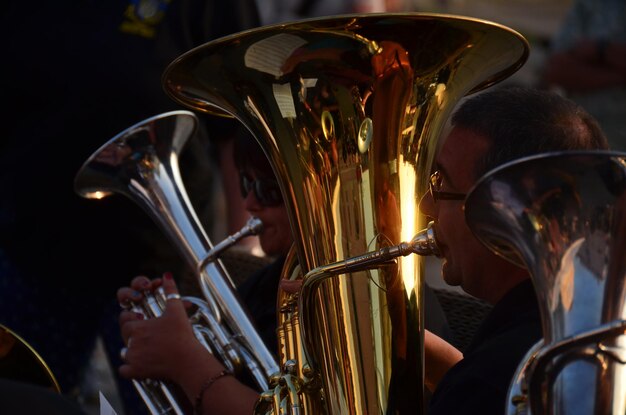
x,y
348,110
563,217
159,396
142,163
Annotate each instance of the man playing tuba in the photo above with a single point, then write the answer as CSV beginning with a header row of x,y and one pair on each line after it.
x,y
488,130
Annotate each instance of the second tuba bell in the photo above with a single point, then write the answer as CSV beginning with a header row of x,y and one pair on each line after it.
x,y
563,217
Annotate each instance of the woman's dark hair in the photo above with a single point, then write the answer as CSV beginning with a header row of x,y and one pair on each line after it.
x,y
522,122
248,154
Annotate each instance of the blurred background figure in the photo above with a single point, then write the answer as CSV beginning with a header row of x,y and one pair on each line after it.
x,y
79,74
588,63
278,11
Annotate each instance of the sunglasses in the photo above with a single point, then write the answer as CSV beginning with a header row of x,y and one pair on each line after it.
x,y
266,191
435,183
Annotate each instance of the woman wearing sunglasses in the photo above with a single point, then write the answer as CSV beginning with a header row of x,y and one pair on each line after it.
x,y
165,348
262,199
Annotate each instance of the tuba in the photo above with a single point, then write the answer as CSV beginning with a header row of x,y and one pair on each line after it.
x,y
142,163
348,110
20,362
563,217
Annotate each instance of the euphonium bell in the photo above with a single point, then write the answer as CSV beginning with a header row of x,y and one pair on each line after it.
x,y
142,163
348,110
563,217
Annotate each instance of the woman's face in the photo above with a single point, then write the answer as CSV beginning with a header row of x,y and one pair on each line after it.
x,y
262,200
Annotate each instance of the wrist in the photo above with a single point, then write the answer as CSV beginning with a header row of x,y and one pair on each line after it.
x,y
191,359
206,385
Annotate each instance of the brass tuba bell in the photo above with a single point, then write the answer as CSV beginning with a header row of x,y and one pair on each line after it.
x,y
348,110
563,217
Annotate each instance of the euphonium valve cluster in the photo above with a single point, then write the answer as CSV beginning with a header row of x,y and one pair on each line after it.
x,y
161,398
348,110
563,217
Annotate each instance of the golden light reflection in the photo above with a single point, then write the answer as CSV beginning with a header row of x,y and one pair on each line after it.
x,y
408,214
336,213
440,94
97,195
368,210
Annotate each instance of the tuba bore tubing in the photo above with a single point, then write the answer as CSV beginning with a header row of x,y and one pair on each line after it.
x,y
348,110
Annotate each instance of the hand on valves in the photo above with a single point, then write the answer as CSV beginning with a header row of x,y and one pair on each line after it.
x,y
165,348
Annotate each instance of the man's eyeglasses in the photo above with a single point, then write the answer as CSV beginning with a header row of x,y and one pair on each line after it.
x,y
266,191
435,184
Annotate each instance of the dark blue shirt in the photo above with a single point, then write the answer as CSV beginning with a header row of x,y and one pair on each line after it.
x,y
259,293
479,383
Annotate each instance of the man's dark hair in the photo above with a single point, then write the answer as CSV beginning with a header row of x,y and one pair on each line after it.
x,y
522,122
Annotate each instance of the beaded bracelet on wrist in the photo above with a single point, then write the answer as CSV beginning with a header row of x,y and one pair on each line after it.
x,y
205,386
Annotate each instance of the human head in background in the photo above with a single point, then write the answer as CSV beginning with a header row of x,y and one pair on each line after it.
x,y
490,129
261,193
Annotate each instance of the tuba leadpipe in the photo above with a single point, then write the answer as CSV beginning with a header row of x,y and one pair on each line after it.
x,y
348,110
142,163
424,243
562,216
